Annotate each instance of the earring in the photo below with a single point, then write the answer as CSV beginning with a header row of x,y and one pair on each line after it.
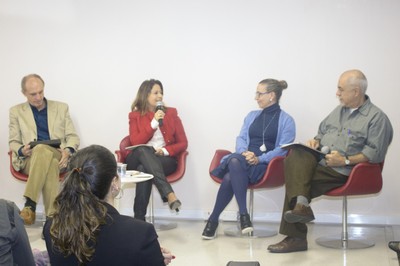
x,y
270,99
120,193
117,193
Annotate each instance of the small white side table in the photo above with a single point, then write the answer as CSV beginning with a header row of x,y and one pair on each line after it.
x,y
136,177
132,177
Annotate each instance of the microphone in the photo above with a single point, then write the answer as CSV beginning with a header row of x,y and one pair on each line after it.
x,y
160,106
325,149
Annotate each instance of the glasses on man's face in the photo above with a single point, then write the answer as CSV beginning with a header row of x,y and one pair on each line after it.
x,y
259,94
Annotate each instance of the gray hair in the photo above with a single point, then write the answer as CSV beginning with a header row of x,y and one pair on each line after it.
x,y
27,77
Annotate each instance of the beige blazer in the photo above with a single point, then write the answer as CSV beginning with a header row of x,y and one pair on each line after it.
x,y
22,128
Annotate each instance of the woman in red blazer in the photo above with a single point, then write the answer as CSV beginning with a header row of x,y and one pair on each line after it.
x,y
160,127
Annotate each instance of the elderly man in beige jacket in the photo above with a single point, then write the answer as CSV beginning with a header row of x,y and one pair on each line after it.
x,y
40,119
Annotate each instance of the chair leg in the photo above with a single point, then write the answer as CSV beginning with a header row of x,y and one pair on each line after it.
x,y
258,232
344,242
151,208
159,225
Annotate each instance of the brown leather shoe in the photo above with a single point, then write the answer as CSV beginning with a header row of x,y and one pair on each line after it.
x,y
28,215
289,244
300,214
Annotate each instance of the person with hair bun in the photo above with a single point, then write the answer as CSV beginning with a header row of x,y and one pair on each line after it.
x,y
259,140
85,229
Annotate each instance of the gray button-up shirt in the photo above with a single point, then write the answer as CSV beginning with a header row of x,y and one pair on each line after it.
x,y
366,130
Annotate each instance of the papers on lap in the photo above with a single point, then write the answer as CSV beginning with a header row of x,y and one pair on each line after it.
x,y
298,145
53,143
140,145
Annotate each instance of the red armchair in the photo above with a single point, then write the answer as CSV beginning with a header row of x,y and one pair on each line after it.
x,y
364,179
122,153
273,177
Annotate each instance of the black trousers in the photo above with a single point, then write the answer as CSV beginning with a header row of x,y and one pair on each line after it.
x,y
145,160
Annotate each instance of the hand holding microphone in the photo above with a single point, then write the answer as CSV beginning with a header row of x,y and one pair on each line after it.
x,y
334,158
159,113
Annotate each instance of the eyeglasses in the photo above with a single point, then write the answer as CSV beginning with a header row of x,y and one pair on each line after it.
x,y
259,94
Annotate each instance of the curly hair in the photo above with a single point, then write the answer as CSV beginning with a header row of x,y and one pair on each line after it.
x,y
79,208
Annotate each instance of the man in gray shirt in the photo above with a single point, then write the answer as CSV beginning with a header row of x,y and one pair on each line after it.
x,y
356,131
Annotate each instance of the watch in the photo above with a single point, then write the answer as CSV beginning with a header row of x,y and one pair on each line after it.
x,y
346,160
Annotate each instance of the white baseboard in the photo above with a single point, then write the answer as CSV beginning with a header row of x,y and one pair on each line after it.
x,y
273,217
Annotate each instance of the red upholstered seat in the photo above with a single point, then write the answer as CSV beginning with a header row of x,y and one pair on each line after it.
x,y
175,176
273,177
364,179
15,173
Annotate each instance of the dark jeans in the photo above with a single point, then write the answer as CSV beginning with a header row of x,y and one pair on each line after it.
x,y
145,160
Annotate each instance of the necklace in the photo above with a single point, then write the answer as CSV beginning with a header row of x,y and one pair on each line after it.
x,y
263,148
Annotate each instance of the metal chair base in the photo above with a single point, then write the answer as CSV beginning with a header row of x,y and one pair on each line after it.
x,y
337,243
257,232
159,225
164,225
344,241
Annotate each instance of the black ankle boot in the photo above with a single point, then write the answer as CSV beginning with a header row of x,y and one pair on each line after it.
x,y
395,246
245,224
209,230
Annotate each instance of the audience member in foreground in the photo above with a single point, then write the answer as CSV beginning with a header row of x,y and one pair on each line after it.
x,y
86,229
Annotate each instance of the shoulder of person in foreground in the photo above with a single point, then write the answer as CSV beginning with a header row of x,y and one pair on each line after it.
x,y
141,235
126,224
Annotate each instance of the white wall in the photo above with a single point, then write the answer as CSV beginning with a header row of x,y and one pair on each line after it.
x,y
210,55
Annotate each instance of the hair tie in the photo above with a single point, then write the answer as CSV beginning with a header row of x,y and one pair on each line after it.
x,y
77,170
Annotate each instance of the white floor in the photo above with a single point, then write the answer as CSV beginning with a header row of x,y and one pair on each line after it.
x,y
186,244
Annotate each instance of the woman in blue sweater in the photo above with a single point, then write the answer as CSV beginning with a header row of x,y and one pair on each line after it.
x,y
260,138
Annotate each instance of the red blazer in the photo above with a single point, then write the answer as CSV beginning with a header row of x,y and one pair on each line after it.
x,y
140,130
